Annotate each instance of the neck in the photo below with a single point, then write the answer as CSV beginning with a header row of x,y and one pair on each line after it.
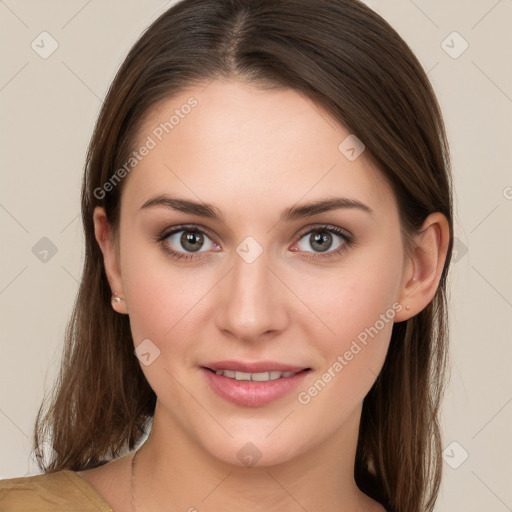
x,y
174,472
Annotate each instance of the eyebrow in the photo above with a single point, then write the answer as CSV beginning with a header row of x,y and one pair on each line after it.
x,y
289,214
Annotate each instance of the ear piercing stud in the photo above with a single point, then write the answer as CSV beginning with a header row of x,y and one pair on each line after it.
x,y
116,298
408,308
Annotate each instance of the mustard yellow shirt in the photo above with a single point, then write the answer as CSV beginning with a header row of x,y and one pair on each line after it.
x,y
61,491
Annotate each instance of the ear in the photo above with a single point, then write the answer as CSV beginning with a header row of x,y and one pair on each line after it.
x,y
424,266
105,237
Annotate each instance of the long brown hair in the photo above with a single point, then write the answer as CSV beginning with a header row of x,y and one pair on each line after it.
x,y
347,59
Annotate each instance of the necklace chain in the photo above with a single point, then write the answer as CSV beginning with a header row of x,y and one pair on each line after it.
x,y
133,478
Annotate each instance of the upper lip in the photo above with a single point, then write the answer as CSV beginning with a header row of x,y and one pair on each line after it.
x,y
253,367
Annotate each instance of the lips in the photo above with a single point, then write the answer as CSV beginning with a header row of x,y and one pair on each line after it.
x,y
253,383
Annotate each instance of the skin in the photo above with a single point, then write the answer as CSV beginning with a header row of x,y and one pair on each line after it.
x,y
252,153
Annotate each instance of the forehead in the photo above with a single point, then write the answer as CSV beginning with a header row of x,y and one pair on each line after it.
x,y
230,142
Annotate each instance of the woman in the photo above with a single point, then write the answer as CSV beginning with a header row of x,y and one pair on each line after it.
x,y
268,222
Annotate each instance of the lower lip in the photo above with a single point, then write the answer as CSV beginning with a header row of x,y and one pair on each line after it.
x,y
251,393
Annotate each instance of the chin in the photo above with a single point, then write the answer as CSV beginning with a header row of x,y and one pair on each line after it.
x,y
258,446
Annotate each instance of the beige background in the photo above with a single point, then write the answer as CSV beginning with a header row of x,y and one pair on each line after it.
x,y
49,106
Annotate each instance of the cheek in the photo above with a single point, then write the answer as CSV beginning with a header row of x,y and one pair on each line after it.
x,y
163,308
361,315
354,297
357,306
156,296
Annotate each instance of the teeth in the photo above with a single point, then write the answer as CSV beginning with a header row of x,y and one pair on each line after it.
x,y
259,377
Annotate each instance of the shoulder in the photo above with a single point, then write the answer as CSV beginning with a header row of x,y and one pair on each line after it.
x,y
59,491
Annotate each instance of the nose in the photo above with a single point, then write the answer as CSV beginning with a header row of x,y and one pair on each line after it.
x,y
253,301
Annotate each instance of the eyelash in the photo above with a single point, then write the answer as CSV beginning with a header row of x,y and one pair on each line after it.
x,y
347,242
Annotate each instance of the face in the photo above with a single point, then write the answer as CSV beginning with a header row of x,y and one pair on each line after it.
x,y
255,281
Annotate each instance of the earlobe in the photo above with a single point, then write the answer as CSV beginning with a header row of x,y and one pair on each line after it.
x,y
106,240
424,266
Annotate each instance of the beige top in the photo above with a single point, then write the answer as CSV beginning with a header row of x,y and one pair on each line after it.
x,y
61,491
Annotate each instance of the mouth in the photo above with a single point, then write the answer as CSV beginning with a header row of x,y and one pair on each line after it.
x,y
256,376
253,384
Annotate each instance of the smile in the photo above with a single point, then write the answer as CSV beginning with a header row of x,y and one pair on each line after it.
x,y
253,389
258,377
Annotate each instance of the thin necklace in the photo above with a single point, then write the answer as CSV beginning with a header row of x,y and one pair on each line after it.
x,y
133,477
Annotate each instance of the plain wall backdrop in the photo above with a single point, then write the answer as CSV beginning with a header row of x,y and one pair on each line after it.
x,y
58,61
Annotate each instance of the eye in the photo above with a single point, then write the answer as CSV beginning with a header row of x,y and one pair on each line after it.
x,y
329,240
186,242
183,242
